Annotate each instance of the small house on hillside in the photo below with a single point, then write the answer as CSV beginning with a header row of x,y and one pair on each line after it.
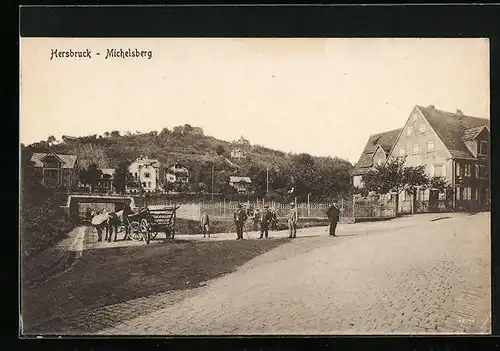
x,y
56,170
177,173
238,153
241,184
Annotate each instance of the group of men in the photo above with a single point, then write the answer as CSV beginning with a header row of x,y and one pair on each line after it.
x,y
265,217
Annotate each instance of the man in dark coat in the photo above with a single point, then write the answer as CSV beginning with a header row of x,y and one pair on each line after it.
x,y
333,214
265,220
240,216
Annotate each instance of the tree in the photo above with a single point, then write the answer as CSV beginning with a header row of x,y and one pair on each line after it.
x,y
220,150
115,134
121,177
106,134
92,176
394,177
415,178
51,139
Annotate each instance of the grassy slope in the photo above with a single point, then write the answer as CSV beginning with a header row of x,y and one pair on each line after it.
x,y
111,275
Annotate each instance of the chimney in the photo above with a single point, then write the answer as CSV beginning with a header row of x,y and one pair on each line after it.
x,y
432,106
459,112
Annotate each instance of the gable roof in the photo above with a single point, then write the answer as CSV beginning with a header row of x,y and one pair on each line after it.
x,y
383,140
68,161
453,128
234,179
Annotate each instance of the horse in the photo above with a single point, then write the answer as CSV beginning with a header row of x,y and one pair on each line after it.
x,y
103,226
117,219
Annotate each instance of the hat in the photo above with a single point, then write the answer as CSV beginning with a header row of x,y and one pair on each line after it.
x,y
292,203
239,206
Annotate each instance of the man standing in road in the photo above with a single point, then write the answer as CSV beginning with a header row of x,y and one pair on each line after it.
x,y
333,217
265,219
205,222
293,217
240,216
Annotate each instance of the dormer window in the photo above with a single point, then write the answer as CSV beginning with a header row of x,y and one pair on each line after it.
x,y
483,148
146,175
422,128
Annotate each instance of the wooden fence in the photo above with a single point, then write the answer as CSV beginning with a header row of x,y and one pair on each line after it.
x,y
349,209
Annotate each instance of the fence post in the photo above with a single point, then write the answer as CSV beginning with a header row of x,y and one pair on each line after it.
x,y
224,207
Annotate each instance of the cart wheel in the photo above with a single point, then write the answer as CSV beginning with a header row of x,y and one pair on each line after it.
x,y
135,231
145,230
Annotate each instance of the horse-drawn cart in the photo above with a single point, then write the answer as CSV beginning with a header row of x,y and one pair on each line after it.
x,y
148,222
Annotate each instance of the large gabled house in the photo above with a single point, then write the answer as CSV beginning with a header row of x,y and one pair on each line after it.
x,y
376,151
56,170
451,145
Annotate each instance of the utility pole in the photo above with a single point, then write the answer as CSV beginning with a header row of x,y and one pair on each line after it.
x,y
212,182
267,180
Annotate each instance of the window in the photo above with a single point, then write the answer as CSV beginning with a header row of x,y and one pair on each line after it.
x,y
422,128
438,170
146,175
430,146
409,131
483,147
149,184
467,193
457,168
483,172
379,161
414,117
415,149
468,170
402,151
477,170
135,174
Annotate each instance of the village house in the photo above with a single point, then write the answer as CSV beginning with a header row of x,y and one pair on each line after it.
x,y
241,184
56,170
107,178
146,172
177,173
451,145
376,151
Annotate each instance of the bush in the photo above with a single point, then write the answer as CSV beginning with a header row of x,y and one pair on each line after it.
x,y
43,222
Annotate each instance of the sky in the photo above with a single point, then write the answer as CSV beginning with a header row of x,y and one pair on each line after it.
x,y
321,96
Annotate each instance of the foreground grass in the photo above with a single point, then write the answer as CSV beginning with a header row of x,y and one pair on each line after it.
x,y
111,275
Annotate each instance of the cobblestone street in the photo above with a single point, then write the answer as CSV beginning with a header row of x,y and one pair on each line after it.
x,y
410,276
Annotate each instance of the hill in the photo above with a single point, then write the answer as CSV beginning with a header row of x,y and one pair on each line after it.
x,y
320,176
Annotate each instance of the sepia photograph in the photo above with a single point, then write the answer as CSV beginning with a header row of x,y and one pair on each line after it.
x,y
254,186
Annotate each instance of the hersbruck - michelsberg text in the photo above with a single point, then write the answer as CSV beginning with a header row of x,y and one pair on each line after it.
x,y
128,53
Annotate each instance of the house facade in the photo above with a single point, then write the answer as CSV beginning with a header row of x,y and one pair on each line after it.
x,y
376,151
145,172
450,145
56,170
238,154
107,178
241,184
177,173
